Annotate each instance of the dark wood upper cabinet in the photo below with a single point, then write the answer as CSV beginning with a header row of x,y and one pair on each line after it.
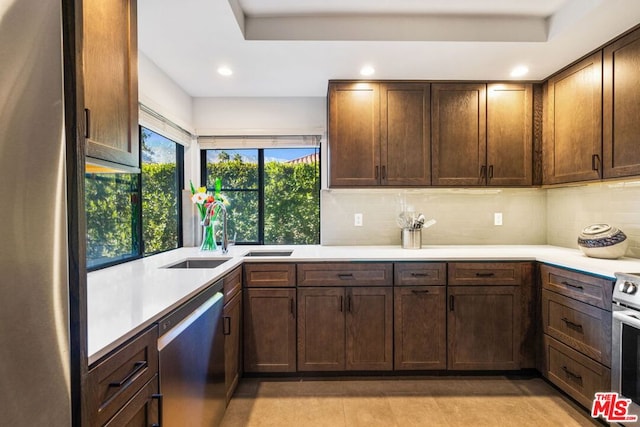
x,y
379,134
621,107
110,58
458,139
405,134
509,134
354,134
573,127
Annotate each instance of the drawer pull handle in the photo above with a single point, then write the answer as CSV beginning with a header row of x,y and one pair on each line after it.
x,y
137,368
346,276
226,325
341,303
575,377
419,275
575,326
349,303
451,306
158,396
485,274
420,292
571,285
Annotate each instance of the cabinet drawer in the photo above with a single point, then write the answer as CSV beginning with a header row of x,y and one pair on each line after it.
x,y
582,327
271,275
484,273
142,409
115,380
232,284
576,374
583,287
345,274
420,274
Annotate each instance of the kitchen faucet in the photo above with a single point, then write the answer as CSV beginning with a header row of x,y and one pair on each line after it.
x,y
225,238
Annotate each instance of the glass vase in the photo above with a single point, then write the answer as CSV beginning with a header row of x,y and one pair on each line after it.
x,y
208,237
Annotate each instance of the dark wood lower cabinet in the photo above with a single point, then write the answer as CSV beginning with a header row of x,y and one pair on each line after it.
x,y
345,329
141,411
420,329
484,328
321,329
232,313
269,330
369,329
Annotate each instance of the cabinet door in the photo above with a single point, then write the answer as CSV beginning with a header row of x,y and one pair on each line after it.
x,y
405,134
420,327
111,80
269,330
458,142
369,322
621,108
484,327
354,134
232,313
141,411
509,134
321,339
573,134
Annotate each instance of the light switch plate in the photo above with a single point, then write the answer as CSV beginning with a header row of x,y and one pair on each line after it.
x,y
497,218
357,220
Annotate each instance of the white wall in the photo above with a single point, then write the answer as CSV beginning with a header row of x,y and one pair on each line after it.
x,y
260,116
157,91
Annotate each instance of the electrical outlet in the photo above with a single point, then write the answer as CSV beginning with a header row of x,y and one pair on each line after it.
x,y
357,220
497,218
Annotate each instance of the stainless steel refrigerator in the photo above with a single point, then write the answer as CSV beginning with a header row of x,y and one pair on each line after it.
x,y
35,379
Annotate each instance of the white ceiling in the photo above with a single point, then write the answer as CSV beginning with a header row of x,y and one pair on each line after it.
x,y
293,47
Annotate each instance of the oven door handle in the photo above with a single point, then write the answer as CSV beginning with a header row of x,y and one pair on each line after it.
x,y
627,319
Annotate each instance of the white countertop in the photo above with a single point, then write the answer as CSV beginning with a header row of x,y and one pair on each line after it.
x,y
125,299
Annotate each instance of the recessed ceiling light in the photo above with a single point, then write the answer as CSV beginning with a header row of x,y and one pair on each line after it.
x,y
367,70
519,71
225,71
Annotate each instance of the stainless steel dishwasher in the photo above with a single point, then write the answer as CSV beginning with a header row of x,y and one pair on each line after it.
x,y
191,346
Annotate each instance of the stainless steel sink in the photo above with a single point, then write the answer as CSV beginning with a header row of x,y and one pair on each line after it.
x,y
199,263
269,253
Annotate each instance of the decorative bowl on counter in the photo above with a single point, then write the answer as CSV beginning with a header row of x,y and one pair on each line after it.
x,y
603,241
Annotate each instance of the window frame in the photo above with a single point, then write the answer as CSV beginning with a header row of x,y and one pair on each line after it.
x,y
138,219
261,183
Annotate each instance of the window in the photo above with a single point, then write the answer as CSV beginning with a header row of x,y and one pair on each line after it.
x,y
134,215
161,185
274,194
113,215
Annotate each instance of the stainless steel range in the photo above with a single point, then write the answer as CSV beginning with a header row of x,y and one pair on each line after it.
x,y
625,369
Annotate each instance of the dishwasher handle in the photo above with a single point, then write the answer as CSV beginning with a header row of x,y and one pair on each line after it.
x,y
175,331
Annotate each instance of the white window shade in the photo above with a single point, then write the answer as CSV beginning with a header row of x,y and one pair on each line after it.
x,y
163,126
241,142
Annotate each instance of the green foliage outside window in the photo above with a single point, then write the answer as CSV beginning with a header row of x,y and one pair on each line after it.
x,y
291,199
159,207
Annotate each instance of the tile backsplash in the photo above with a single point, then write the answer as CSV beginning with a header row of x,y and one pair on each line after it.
x,y
571,209
531,216
464,216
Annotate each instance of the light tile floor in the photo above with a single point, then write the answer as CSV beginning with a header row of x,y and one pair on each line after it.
x,y
388,402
